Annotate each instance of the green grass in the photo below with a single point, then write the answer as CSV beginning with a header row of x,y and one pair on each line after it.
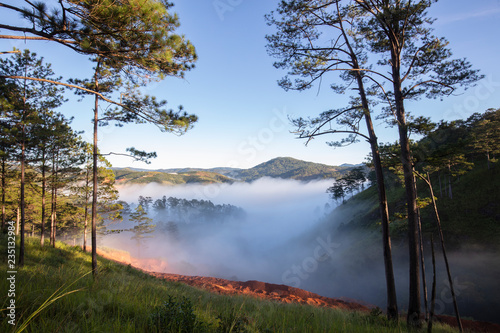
x,y
123,299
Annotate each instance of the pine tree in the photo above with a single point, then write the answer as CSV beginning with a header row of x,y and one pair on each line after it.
x,y
419,65
142,227
136,37
30,97
314,39
486,134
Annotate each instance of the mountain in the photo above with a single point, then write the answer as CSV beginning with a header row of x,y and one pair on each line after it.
x,y
281,167
132,176
290,168
222,171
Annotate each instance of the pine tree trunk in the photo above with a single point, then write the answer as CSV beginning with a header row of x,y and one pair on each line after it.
x,y
24,118
392,303
18,220
51,240
413,318
94,177
440,186
23,162
443,248
84,247
54,230
87,182
449,184
422,260
4,176
44,184
433,293
53,203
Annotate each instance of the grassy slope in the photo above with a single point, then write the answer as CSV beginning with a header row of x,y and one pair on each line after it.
x,y
123,299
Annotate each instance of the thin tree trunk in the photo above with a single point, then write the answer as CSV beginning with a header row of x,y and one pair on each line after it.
x,y
52,218
433,295
94,177
4,176
52,204
23,161
87,182
441,237
422,260
55,216
23,156
488,158
440,186
44,184
422,265
84,247
18,220
450,193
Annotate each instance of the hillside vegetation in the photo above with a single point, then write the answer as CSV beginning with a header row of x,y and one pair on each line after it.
x,y
281,167
131,176
290,168
465,176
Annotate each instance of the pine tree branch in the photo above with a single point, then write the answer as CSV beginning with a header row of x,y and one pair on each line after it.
x,y
65,41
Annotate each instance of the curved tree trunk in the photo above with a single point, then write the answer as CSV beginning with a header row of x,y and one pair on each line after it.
x,y
422,259
443,248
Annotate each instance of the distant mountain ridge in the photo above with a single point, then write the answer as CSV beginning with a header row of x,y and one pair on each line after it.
x,y
281,167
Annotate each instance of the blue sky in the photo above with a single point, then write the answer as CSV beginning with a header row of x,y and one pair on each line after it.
x,y
243,112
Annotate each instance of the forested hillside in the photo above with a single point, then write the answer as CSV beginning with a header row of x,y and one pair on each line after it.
x,y
290,168
131,176
281,167
461,160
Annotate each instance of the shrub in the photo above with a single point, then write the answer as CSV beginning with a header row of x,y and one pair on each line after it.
x,y
176,315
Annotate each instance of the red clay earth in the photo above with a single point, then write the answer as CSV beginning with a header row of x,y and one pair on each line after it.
x,y
275,292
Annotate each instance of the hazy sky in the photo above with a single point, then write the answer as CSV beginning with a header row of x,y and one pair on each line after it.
x,y
242,111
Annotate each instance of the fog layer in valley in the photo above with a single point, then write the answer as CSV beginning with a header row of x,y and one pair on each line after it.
x,y
288,236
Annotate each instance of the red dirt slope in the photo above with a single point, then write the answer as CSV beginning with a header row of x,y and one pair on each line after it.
x,y
271,291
